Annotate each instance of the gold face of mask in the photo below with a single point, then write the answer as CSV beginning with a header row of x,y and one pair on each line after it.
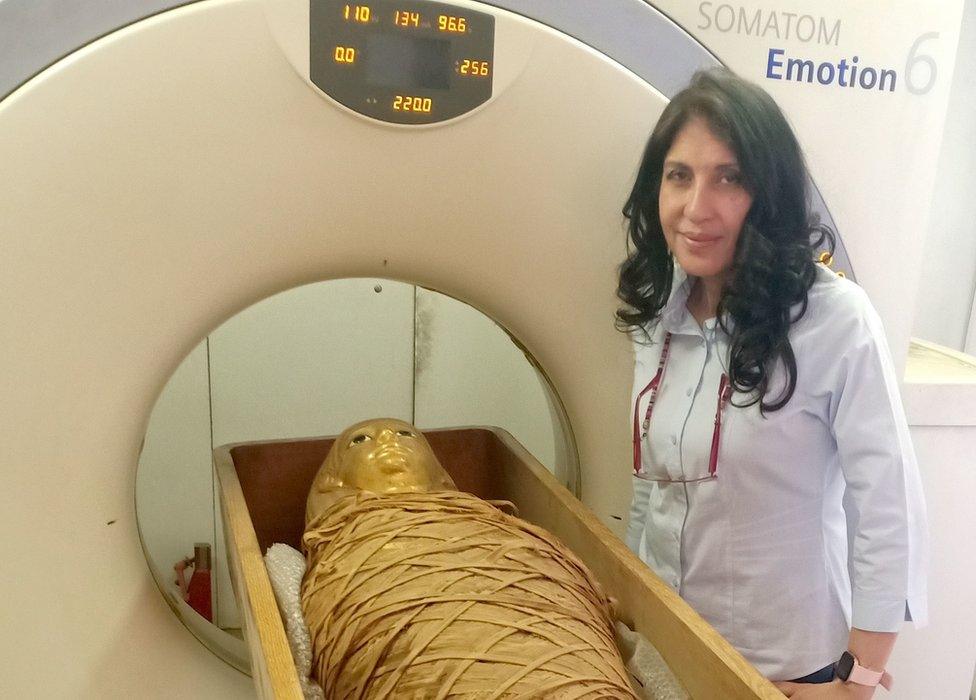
x,y
382,455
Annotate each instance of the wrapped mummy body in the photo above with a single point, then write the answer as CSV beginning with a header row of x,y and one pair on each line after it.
x,y
415,590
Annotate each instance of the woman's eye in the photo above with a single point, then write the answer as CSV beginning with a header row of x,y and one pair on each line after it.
x,y
405,433
732,178
676,175
359,439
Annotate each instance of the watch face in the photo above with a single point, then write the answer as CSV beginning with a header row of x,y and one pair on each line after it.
x,y
845,666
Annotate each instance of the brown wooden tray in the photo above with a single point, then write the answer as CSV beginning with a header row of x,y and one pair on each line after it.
x,y
263,487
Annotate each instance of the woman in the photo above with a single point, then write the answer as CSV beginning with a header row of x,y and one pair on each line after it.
x,y
763,391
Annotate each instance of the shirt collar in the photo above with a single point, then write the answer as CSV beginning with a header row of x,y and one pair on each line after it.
x,y
675,312
675,317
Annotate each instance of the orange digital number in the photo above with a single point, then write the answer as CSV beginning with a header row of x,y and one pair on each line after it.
x,y
358,13
404,103
344,54
406,19
450,23
469,67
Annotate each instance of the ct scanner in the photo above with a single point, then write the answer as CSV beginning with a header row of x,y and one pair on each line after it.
x,y
166,164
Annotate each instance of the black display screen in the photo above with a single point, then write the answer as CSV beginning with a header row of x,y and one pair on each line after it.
x,y
402,61
843,668
408,62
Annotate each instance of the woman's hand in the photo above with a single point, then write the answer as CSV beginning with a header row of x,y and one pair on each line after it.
x,y
835,690
872,650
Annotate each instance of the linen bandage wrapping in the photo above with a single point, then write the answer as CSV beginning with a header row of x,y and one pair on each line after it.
x,y
440,595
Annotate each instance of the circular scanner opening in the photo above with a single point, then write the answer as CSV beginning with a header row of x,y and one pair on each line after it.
x,y
309,362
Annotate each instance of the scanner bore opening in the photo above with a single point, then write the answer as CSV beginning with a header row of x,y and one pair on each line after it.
x,y
388,348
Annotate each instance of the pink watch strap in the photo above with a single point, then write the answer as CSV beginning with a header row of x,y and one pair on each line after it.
x,y
865,676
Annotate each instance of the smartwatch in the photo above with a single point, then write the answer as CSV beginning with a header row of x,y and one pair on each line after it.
x,y
849,670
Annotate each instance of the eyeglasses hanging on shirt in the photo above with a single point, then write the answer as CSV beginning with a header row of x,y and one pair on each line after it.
x,y
641,429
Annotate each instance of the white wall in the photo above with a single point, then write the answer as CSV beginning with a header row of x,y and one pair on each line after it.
x,y
179,434
470,373
937,661
948,279
313,360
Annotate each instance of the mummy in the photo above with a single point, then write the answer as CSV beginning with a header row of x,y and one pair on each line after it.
x,y
416,590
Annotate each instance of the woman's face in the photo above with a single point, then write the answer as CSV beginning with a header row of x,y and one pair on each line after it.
x,y
702,202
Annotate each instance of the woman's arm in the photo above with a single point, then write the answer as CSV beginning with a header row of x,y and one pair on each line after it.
x,y
884,502
885,507
871,649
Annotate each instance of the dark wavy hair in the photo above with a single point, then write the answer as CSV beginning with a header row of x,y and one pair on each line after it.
x,y
773,266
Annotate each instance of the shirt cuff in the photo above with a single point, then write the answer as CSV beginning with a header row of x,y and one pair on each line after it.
x,y
874,615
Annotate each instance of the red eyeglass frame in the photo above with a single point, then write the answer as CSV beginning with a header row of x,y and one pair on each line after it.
x,y
724,394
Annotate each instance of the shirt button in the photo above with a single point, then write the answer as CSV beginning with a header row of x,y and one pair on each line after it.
x,y
688,392
674,440
674,583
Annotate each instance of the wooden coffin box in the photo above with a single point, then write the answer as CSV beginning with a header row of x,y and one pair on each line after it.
x,y
263,487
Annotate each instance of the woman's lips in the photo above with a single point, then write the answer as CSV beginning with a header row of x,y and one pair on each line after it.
x,y
699,242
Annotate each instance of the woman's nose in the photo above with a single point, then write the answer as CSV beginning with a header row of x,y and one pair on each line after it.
x,y
698,205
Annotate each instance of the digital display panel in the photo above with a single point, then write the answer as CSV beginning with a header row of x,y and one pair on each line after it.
x,y
407,62
402,61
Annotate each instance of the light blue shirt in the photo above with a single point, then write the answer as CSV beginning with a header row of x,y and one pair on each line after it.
x,y
773,553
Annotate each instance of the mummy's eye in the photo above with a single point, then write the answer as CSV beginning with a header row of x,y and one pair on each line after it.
x,y
359,439
405,433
